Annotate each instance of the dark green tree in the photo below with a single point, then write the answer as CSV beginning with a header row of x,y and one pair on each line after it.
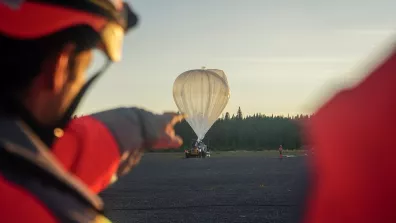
x,y
227,116
239,114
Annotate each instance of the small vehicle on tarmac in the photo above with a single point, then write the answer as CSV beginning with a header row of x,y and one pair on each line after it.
x,y
198,149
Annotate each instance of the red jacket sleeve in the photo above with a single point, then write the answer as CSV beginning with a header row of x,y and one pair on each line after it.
x,y
353,136
89,151
14,199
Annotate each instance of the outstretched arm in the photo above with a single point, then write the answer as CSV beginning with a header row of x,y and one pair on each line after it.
x,y
105,145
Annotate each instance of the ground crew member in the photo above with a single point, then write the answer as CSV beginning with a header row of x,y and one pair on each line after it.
x,y
46,48
280,151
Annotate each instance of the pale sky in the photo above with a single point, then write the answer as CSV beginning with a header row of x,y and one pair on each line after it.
x,y
280,56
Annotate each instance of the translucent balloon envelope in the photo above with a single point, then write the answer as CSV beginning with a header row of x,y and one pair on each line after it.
x,y
202,95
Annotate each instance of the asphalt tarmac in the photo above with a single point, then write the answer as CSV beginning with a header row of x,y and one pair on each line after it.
x,y
238,188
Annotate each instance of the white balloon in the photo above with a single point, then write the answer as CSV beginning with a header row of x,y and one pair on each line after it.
x,y
220,73
202,95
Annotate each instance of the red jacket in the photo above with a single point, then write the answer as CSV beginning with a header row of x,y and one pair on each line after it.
x,y
353,136
37,185
89,151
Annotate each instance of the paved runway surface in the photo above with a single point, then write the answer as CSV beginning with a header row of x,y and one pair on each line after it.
x,y
169,188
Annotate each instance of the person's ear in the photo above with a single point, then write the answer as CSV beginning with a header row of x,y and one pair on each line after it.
x,y
56,68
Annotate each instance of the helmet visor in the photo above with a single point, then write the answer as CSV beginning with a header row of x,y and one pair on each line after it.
x,y
112,37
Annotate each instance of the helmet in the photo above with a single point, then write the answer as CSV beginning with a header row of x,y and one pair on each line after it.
x,y
35,19
29,19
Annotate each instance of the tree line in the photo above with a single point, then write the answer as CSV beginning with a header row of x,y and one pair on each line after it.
x,y
255,132
252,132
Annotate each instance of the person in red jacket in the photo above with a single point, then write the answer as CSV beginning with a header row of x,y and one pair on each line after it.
x,y
353,179
51,165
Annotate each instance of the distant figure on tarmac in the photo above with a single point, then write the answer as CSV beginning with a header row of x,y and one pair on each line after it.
x,y
280,151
